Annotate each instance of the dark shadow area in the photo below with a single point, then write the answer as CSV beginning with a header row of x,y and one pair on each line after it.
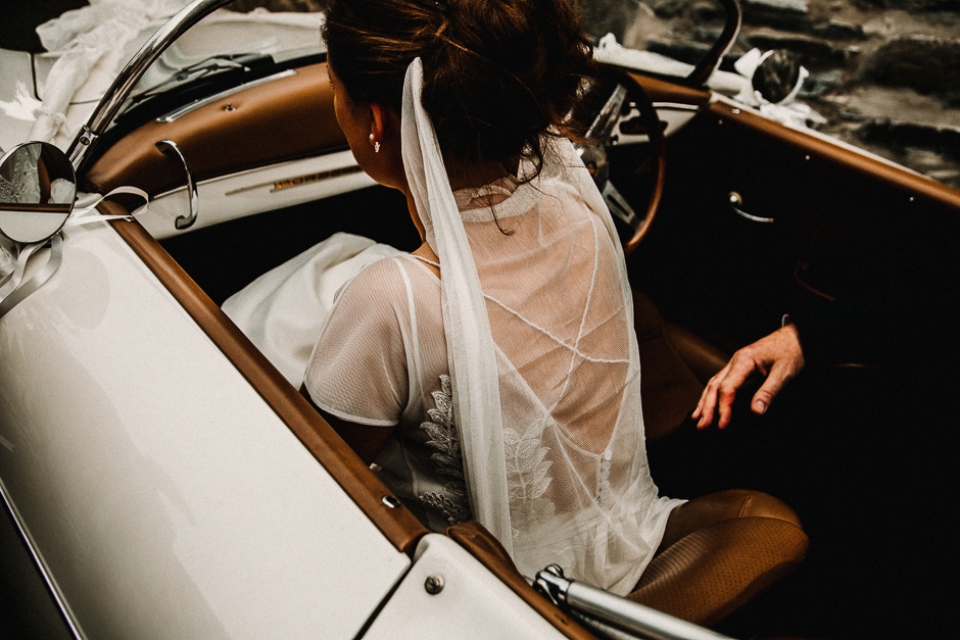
x,y
27,610
870,474
20,20
225,258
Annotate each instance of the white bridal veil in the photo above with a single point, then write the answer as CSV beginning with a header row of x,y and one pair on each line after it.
x,y
544,364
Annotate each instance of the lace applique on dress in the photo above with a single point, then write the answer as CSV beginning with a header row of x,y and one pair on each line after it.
x,y
452,501
527,480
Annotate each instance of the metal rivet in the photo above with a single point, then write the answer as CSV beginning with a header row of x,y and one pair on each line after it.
x,y
911,198
433,584
391,502
806,157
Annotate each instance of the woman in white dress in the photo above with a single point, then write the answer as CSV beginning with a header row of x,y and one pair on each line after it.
x,y
493,374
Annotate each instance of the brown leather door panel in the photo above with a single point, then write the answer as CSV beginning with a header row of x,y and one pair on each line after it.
x,y
843,223
287,118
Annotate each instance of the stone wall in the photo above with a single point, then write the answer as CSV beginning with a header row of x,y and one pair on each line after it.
x,y
885,74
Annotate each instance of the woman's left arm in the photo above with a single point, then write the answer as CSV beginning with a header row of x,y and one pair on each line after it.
x,y
366,441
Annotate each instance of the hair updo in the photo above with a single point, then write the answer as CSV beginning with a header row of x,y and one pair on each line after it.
x,y
497,73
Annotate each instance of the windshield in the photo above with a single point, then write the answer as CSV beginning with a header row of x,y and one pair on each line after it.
x,y
92,45
223,39
248,41
667,38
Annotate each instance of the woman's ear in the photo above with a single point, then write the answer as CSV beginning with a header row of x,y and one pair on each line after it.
x,y
377,124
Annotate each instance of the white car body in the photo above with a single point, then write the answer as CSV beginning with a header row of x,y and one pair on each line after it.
x,y
178,503
168,482
172,500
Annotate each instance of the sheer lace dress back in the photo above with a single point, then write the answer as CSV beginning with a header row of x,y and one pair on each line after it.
x,y
514,379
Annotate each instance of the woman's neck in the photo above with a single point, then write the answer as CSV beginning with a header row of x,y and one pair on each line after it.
x,y
473,175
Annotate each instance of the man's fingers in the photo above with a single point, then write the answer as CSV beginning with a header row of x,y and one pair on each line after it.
x,y
779,376
708,400
704,410
728,393
721,390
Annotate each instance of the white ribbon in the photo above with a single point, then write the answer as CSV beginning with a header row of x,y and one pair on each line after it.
x,y
86,214
12,292
472,352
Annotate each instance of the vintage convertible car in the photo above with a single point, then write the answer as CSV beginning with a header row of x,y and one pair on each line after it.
x,y
162,477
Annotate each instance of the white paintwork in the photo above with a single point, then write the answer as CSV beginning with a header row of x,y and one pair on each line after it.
x,y
250,192
472,604
166,497
611,52
675,116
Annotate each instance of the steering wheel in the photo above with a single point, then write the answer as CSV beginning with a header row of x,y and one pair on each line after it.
x,y
625,106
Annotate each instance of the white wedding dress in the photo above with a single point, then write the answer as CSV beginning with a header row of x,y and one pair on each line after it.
x,y
556,468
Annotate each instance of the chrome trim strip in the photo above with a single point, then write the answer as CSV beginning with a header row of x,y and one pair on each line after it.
x,y
52,587
298,181
128,78
176,114
677,106
614,615
736,201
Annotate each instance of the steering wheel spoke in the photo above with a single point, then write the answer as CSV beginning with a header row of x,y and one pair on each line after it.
x,y
626,102
619,207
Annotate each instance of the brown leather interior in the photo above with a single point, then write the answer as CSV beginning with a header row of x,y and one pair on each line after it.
x,y
730,547
711,573
287,118
826,154
674,367
719,552
703,359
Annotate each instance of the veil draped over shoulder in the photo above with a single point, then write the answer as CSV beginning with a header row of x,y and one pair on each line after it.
x,y
543,360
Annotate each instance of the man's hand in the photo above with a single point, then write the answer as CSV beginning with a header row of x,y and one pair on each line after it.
x,y
778,357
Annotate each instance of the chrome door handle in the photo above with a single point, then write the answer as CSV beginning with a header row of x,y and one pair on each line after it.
x,y
736,202
171,148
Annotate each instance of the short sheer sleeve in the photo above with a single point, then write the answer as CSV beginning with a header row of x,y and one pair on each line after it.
x,y
357,370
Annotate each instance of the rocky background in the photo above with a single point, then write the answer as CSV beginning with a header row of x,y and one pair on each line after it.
x,y
885,74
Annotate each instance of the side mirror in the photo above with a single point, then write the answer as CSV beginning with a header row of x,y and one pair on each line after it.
x,y
776,76
38,187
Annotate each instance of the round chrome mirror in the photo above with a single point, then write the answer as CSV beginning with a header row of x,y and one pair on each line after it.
x,y
37,190
779,76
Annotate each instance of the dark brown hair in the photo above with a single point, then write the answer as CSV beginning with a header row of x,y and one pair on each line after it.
x,y
497,73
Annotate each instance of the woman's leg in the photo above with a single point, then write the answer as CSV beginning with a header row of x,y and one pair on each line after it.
x,y
718,552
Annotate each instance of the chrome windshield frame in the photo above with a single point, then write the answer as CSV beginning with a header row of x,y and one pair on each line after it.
x,y
127,80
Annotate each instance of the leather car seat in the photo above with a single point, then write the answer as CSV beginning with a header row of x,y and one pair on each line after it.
x,y
745,543
675,365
